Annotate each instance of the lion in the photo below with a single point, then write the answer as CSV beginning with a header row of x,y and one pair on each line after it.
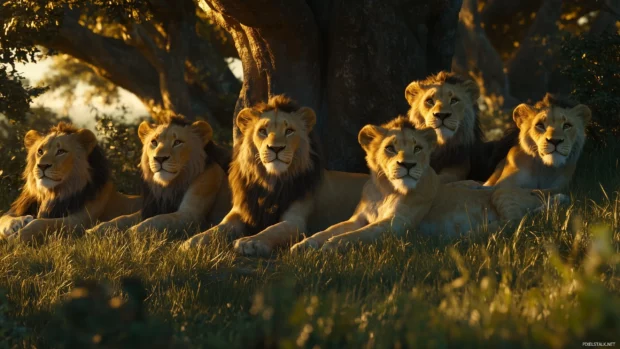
x,y
67,185
279,187
405,193
184,182
446,103
551,138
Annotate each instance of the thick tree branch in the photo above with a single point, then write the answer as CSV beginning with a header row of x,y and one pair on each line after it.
x,y
123,65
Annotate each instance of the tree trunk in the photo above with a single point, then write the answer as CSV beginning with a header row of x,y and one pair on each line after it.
x,y
169,69
475,56
349,60
530,70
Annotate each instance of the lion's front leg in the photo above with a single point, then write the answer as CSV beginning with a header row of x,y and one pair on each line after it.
x,y
119,223
175,223
317,240
288,231
231,226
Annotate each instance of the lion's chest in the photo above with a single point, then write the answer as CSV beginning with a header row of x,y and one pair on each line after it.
x,y
539,177
382,209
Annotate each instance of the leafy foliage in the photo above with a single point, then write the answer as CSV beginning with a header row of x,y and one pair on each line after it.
x,y
594,68
15,98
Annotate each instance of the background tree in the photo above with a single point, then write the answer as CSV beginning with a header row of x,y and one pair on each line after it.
x,y
165,52
349,60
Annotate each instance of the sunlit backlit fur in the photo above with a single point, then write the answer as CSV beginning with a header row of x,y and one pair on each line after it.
x,y
401,155
551,138
279,187
184,180
67,177
447,103
397,199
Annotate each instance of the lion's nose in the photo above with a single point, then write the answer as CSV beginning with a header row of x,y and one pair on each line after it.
x,y
276,149
407,165
555,141
442,116
44,167
161,159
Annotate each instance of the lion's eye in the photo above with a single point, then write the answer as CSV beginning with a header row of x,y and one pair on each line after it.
x,y
154,142
60,151
289,131
177,142
262,132
40,151
454,101
429,101
417,149
390,149
540,125
567,126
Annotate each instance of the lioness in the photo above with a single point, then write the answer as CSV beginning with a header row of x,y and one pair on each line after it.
x,y
184,179
67,185
551,138
446,103
404,193
279,187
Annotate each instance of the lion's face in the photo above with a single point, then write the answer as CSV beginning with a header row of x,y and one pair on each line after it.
x,y
171,150
402,155
279,140
552,134
444,107
58,159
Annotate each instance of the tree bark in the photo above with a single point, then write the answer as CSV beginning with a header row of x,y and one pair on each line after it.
x,y
475,56
349,60
529,71
160,69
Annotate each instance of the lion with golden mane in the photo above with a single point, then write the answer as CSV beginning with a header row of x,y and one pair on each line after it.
x,y
552,134
279,187
405,193
184,181
67,185
446,103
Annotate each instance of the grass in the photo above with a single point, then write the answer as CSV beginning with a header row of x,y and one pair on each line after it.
x,y
551,280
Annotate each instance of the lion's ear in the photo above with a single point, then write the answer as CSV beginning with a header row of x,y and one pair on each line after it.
x,y
430,136
412,91
472,89
144,130
246,118
521,113
368,134
87,139
31,138
308,117
582,111
203,130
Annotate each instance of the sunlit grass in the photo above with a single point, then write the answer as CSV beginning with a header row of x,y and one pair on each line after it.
x,y
551,280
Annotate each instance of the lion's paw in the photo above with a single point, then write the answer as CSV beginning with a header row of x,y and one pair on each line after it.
x,y
101,229
332,245
305,245
252,246
15,225
195,241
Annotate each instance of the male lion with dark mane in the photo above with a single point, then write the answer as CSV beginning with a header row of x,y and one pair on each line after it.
x,y
551,137
447,103
184,180
279,187
67,185
405,193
